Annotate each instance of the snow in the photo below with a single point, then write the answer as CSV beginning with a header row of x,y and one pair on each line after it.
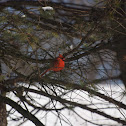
x,y
23,16
50,118
47,8
71,47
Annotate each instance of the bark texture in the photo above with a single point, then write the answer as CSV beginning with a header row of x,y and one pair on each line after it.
x,y
3,115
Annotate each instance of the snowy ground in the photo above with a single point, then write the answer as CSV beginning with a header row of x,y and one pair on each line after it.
x,y
49,118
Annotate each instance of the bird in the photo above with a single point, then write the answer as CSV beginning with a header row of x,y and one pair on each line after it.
x,y
58,65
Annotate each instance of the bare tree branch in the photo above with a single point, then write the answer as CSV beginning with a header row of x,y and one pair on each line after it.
x,y
25,113
61,100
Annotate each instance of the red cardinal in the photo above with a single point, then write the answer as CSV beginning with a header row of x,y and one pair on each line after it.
x,y
58,65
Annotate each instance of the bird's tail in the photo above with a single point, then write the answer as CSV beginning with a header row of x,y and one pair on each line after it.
x,y
44,72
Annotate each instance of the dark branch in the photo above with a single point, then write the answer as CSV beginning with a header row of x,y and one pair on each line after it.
x,y
23,112
82,41
91,50
57,98
89,90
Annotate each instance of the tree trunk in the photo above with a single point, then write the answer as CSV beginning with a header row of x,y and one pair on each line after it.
x,y
120,40
121,56
3,115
